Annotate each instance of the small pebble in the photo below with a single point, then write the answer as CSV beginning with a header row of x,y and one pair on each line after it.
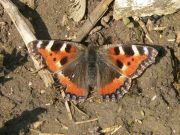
x,y
37,124
30,83
154,97
42,91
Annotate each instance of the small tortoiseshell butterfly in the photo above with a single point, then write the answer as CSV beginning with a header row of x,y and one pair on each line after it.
x,y
109,68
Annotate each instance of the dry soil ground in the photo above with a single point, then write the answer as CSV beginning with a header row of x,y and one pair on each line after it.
x,y
150,108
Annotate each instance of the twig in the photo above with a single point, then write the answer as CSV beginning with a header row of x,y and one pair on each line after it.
x,y
67,106
86,121
18,21
116,129
27,37
79,110
111,130
141,23
50,134
159,28
94,17
39,133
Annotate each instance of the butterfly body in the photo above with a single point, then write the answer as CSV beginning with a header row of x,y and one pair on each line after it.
x,y
109,69
92,66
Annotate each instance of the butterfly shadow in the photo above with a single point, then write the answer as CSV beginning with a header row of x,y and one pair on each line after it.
x,y
11,62
176,70
161,52
41,31
15,58
21,123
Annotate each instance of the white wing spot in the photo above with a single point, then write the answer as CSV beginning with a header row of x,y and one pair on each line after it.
x,y
73,75
121,50
146,50
63,47
136,52
48,47
39,44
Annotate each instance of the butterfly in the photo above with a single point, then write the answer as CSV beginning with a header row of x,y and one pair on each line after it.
x,y
108,69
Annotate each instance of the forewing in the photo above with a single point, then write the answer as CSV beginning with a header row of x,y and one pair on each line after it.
x,y
130,60
56,53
